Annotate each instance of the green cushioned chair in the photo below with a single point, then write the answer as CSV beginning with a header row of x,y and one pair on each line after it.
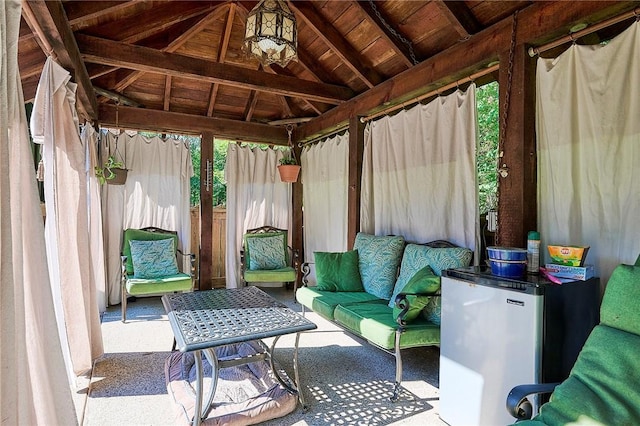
x,y
150,264
602,388
267,257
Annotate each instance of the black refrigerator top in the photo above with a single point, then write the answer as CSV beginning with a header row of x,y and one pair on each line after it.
x,y
481,275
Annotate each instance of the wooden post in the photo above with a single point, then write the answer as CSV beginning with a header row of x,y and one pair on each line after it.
x,y
206,209
356,153
517,204
297,237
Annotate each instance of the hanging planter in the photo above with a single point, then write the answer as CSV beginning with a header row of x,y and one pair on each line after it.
x,y
289,172
119,176
113,172
289,168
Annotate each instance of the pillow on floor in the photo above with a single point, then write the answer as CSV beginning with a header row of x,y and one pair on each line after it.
x,y
338,271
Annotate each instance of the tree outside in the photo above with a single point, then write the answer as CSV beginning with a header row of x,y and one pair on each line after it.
x,y
487,104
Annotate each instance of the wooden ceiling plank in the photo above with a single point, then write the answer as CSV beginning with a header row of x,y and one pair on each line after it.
x,y
212,98
173,122
460,17
80,11
401,50
222,53
140,58
251,105
337,43
49,22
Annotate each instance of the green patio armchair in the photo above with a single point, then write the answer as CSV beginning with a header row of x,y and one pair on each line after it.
x,y
602,388
150,264
267,257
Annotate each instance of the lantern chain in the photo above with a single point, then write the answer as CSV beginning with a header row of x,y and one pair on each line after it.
x,y
395,33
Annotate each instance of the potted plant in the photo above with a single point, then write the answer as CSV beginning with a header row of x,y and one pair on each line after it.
x,y
288,169
112,172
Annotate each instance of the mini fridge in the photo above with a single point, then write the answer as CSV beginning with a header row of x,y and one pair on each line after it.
x,y
497,333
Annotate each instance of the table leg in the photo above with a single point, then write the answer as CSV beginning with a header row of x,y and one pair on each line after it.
x,y
296,374
296,389
200,411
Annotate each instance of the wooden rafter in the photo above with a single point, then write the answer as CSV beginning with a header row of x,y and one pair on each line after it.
x,y
401,49
167,92
250,106
222,53
140,58
460,17
48,21
338,45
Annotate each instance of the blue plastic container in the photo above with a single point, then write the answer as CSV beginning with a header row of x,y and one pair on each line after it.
x,y
507,262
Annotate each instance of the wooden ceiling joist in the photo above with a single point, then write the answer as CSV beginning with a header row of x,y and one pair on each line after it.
x,y
173,122
140,58
460,17
48,21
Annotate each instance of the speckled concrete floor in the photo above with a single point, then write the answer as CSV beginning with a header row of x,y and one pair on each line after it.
x,y
345,381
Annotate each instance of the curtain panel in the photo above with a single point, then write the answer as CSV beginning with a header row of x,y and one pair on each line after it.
x,y
418,177
325,178
588,131
33,382
255,198
157,193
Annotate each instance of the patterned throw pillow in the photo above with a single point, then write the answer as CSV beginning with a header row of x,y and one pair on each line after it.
x,y
424,282
448,258
266,251
153,259
379,261
432,311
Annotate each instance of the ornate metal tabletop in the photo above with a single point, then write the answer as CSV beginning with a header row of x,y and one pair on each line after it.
x,y
207,319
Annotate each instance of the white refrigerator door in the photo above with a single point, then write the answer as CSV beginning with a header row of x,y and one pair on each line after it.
x,y
490,342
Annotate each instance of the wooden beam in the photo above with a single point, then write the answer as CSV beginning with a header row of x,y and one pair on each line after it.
x,y
464,59
173,122
458,14
356,154
221,55
48,21
167,92
250,106
206,210
140,58
336,42
401,50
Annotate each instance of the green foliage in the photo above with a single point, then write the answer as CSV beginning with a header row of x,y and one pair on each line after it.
x,y
288,160
487,100
104,173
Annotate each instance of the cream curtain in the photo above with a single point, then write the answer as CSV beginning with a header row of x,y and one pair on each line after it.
x,y
156,193
588,129
33,383
54,124
255,197
325,178
418,177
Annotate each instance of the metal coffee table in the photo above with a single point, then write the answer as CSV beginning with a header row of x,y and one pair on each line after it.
x,y
204,320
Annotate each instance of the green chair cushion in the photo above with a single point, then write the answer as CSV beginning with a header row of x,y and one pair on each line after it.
x,y
324,302
338,271
153,259
140,235
616,310
282,275
374,322
379,259
177,282
266,251
603,386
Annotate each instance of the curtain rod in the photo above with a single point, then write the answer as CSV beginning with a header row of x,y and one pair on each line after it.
x,y
437,91
533,51
323,136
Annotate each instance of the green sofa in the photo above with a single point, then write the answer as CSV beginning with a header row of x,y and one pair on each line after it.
x,y
602,388
381,311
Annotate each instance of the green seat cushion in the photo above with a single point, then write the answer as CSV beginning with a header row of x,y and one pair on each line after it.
x,y
602,388
177,282
140,235
379,259
266,251
374,322
338,271
325,302
616,310
282,275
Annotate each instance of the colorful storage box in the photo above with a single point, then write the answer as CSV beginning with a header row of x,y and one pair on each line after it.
x,y
568,255
581,273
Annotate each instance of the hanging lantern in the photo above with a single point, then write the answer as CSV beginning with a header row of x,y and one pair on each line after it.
x,y
271,33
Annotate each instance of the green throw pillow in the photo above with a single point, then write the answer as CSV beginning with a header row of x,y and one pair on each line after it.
x,y
423,280
423,283
338,271
266,251
153,259
416,305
